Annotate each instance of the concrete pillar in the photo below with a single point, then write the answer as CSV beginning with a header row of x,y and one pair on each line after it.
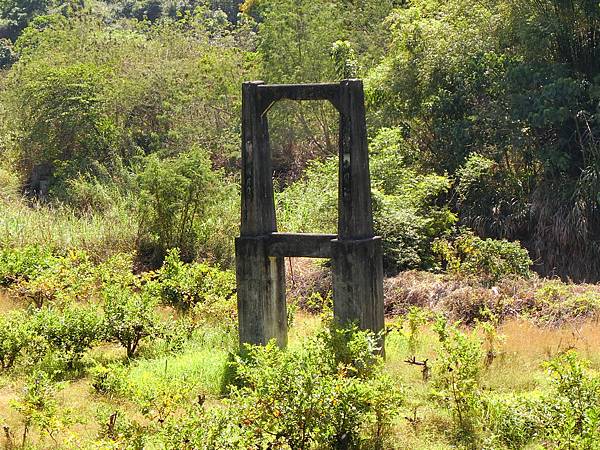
x,y
357,255
260,279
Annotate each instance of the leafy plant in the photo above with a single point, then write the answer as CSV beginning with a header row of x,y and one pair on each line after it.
x,y
416,318
69,331
324,395
184,285
489,259
23,263
38,407
129,316
108,380
15,334
68,278
457,377
175,195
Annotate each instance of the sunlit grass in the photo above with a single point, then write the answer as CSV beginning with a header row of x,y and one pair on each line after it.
x,y
101,235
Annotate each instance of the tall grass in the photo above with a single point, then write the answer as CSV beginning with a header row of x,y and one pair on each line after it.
x,y
100,234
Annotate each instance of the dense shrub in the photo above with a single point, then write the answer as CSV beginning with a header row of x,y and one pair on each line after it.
x,y
109,380
15,336
129,316
408,209
23,263
185,285
69,332
488,258
68,278
175,196
303,398
504,114
568,416
310,204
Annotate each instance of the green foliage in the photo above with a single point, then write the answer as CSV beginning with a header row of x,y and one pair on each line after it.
x,y
15,335
513,419
295,39
38,407
68,278
69,332
62,113
23,263
407,210
175,196
416,318
511,112
82,122
489,259
108,380
457,377
344,57
16,14
8,55
302,398
310,204
129,316
565,417
185,285
577,403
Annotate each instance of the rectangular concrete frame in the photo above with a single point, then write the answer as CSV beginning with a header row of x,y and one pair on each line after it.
x,y
260,250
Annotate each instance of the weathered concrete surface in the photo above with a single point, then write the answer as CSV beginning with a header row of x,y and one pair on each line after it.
x,y
356,252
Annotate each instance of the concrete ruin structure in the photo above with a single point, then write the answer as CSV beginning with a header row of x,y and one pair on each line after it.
x,y
355,251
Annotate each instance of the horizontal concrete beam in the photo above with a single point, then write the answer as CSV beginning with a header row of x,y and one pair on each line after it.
x,y
300,245
271,93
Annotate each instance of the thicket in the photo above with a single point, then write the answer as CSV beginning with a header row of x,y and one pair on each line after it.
x,y
71,305
329,391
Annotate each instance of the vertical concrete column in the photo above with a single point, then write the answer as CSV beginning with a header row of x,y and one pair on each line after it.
x,y
355,218
260,279
357,256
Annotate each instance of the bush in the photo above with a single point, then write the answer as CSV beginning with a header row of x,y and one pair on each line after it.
x,y
514,420
129,316
185,285
285,396
68,278
23,263
407,208
568,416
489,259
69,332
457,377
39,408
575,403
15,333
175,196
108,380
301,398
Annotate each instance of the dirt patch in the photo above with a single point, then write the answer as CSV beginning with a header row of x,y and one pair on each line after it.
x,y
8,302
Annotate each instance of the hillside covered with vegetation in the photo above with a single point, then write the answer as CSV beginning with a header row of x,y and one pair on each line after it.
x,y
119,204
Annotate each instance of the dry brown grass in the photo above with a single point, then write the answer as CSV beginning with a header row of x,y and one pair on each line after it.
x,y
545,301
8,302
535,342
305,277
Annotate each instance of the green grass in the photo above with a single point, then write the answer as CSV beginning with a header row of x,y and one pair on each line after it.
x,y
158,377
100,234
201,368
